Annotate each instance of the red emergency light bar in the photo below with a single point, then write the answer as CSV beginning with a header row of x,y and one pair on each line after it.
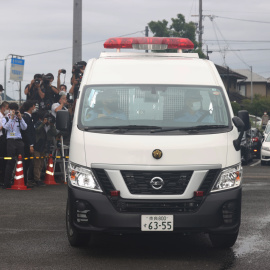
x,y
153,42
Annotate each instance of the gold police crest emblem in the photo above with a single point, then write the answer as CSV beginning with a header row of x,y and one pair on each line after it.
x,y
157,154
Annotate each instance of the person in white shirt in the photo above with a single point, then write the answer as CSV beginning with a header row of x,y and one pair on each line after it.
x,y
15,146
61,105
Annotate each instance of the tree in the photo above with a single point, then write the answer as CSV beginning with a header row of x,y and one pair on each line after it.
x,y
178,28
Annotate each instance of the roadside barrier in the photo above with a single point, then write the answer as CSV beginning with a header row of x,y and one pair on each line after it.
x,y
49,176
19,176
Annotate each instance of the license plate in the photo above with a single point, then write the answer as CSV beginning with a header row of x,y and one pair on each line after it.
x,y
157,223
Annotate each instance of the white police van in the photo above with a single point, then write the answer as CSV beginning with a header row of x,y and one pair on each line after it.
x,y
154,146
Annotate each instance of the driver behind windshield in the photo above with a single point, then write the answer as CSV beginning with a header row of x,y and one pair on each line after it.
x,y
106,107
192,111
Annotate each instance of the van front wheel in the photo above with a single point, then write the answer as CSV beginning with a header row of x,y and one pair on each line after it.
x,y
223,240
75,238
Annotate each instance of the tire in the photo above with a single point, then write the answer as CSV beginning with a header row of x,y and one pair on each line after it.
x,y
75,238
223,240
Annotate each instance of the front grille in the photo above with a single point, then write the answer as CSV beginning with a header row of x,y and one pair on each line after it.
x,y
103,180
209,181
138,182
155,206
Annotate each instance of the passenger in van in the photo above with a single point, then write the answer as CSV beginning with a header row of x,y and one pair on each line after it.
x,y
192,111
106,106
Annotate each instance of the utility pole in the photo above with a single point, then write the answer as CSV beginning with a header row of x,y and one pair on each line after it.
x,y
146,34
251,85
77,31
200,24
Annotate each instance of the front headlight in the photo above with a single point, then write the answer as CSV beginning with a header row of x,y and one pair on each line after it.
x,y
229,178
82,177
265,148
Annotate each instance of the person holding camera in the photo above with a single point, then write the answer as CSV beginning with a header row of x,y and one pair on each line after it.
x,y
33,90
77,74
13,124
45,132
49,90
60,87
61,105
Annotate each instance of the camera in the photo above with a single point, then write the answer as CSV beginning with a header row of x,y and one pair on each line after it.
x,y
17,112
50,118
46,78
76,70
63,71
37,81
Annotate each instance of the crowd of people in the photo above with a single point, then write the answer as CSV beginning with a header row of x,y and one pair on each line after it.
x,y
29,129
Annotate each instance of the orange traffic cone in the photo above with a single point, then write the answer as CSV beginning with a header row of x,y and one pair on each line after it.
x,y
49,176
19,176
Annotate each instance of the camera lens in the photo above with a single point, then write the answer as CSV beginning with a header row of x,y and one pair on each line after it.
x,y
63,71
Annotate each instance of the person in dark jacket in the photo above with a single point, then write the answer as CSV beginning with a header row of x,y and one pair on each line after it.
x,y
29,137
45,132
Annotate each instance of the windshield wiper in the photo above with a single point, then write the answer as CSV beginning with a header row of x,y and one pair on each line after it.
x,y
123,128
201,127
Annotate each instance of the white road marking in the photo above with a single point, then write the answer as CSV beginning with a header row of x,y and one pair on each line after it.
x,y
256,163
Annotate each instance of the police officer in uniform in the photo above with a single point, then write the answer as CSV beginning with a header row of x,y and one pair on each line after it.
x,y
15,146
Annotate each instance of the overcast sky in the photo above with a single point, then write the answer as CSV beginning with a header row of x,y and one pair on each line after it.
x,y
36,26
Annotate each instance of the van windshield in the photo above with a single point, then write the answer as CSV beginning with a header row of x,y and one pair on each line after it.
x,y
153,106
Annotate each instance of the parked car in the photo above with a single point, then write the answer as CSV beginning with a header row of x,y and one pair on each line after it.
x,y
256,121
246,147
265,151
266,130
257,138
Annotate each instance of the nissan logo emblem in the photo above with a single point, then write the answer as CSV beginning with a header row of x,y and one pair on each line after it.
x,y
157,183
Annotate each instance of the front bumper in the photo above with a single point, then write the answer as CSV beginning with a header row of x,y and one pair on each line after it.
x,y
101,215
265,155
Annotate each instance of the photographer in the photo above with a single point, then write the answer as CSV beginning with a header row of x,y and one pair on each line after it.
x,y
49,90
61,105
45,132
33,90
60,87
15,146
77,74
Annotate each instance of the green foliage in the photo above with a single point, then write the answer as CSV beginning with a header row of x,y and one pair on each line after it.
x,y
178,28
258,106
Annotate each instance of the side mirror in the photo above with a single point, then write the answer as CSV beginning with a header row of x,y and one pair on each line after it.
x,y
244,116
63,120
241,128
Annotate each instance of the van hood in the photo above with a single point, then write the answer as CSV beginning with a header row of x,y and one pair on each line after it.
x,y
137,150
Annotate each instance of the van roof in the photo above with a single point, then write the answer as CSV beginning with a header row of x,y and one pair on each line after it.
x,y
152,68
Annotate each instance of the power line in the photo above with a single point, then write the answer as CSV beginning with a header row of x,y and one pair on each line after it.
x,y
249,41
66,48
236,19
239,50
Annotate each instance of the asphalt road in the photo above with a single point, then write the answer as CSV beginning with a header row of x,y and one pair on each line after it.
x,y
32,236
